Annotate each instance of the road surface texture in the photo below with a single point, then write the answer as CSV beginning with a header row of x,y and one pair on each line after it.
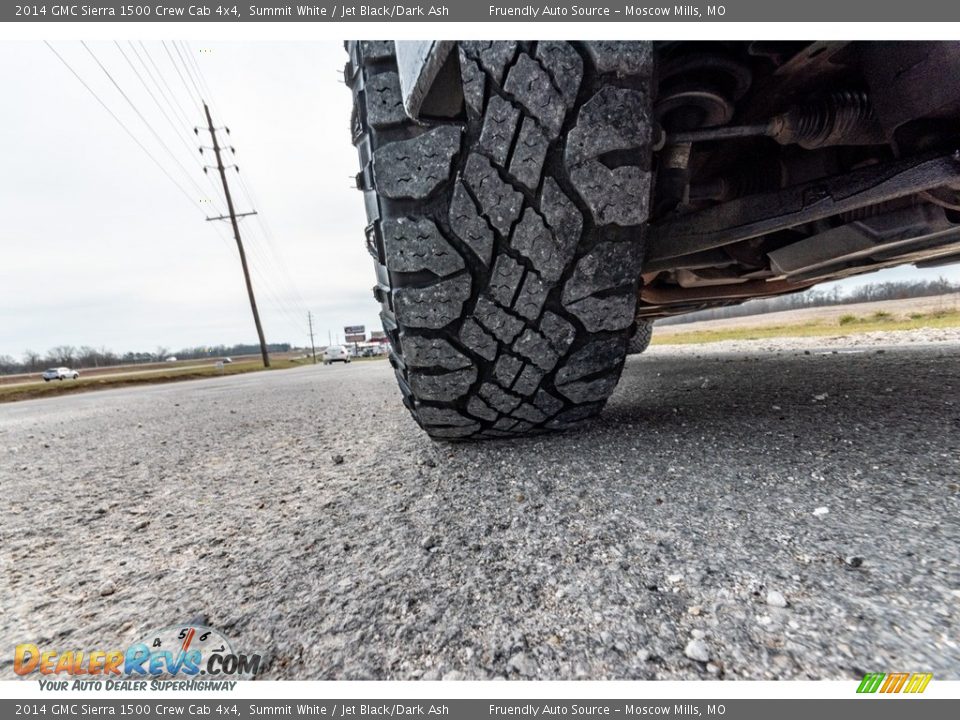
x,y
732,514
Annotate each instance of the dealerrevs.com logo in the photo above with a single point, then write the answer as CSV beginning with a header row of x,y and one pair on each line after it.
x,y
178,651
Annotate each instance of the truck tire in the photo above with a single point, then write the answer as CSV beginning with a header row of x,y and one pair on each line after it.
x,y
641,337
507,242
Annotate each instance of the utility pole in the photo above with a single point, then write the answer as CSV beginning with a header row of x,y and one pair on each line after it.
x,y
236,234
312,346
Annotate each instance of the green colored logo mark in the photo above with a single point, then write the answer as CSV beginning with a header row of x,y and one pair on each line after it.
x,y
871,682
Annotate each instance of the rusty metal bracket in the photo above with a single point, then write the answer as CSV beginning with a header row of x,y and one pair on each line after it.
x,y
756,215
752,289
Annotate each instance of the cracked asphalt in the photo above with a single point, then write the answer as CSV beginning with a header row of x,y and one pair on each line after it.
x,y
738,514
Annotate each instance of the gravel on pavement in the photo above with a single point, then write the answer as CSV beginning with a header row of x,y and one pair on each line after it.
x,y
792,513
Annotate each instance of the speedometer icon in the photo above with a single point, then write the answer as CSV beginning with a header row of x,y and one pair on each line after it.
x,y
188,650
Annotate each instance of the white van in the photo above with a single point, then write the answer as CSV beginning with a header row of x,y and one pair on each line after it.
x,y
336,353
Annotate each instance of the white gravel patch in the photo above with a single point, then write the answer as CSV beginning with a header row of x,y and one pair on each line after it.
x,y
858,341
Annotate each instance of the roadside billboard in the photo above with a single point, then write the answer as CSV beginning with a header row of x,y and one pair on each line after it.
x,y
354,334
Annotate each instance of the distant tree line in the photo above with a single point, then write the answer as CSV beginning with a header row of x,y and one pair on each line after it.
x,y
86,357
214,351
820,298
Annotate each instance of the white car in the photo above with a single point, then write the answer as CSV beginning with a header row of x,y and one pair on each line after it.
x,y
60,373
336,353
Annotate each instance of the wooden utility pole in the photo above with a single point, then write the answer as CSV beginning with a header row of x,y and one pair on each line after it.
x,y
236,234
312,346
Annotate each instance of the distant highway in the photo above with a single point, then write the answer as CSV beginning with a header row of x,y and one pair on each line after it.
x,y
117,371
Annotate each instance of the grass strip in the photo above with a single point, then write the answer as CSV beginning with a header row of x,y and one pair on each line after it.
x,y
844,326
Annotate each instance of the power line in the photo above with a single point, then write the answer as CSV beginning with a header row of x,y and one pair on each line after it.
x,y
196,66
274,258
126,129
275,303
257,260
180,75
262,282
146,122
271,256
260,266
294,317
186,67
262,260
294,313
271,244
183,115
236,234
163,112
170,96
150,92
187,124
290,316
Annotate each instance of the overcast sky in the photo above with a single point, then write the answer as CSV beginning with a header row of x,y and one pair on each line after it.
x,y
98,247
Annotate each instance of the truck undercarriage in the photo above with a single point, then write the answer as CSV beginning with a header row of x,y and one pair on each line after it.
x,y
532,207
780,165
784,165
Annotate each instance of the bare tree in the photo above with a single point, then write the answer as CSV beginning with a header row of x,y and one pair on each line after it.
x,y
61,355
108,357
31,360
88,357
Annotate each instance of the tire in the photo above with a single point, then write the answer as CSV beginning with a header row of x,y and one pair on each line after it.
x,y
641,337
507,243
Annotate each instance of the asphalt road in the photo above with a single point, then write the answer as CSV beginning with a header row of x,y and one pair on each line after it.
x,y
731,515
130,371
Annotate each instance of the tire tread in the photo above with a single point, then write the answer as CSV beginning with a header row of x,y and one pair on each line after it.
x,y
508,287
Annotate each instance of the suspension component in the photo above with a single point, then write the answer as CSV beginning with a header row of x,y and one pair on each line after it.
x,y
699,89
695,90
764,174
842,118
757,215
